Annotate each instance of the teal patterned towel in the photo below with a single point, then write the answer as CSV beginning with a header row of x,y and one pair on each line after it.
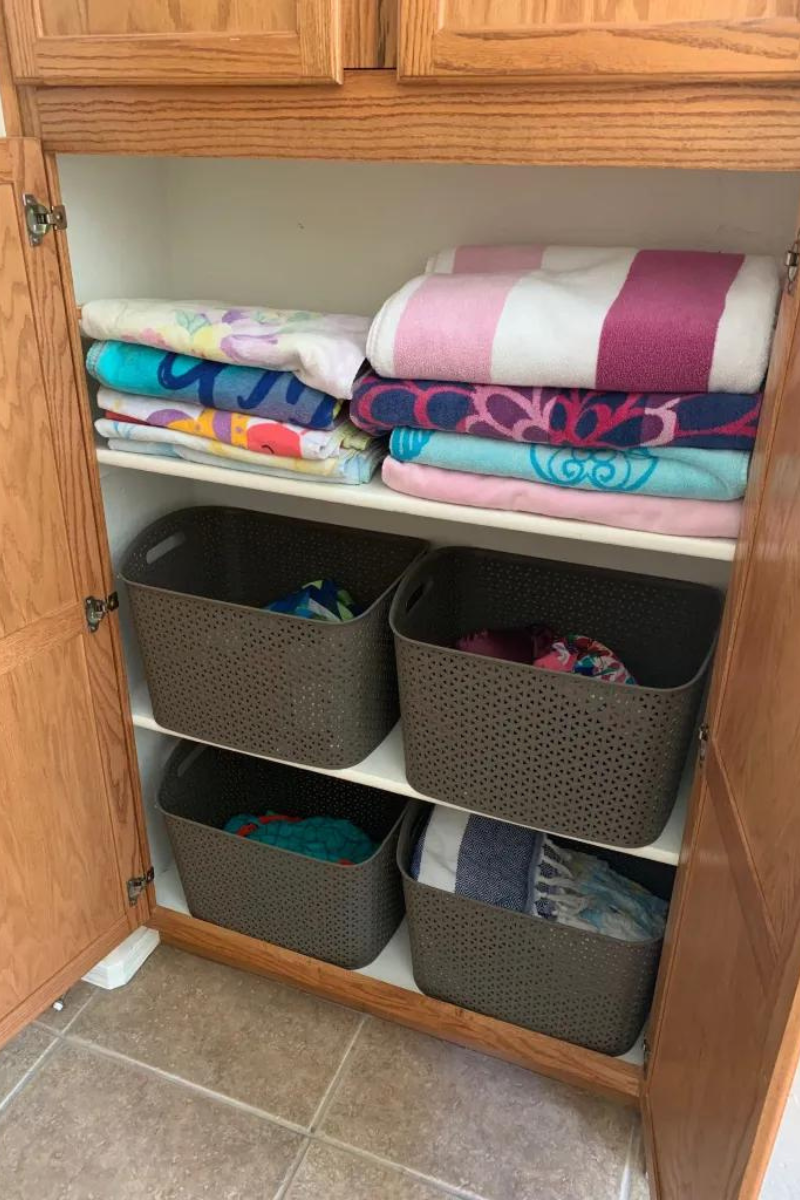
x,y
672,471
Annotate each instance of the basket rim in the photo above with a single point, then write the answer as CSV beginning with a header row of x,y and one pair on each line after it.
x,y
143,537
414,812
568,679
170,771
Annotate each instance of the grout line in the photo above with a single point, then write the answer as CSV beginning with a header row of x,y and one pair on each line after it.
x,y
80,1011
5,1103
179,1081
293,1169
626,1182
327,1096
450,1189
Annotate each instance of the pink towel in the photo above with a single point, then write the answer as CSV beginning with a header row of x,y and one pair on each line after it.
x,y
570,316
654,514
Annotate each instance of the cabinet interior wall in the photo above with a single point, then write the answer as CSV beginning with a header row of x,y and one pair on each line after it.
x,y
342,236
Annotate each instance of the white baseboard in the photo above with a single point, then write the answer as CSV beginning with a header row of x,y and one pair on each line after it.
x,y
120,966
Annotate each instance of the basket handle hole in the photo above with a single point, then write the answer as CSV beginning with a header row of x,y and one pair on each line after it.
x,y
421,590
166,547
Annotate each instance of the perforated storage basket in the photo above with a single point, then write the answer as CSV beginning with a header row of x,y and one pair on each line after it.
x,y
565,753
581,987
222,670
340,914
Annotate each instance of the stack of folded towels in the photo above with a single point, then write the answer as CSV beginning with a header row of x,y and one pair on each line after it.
x,y
253,389
615,386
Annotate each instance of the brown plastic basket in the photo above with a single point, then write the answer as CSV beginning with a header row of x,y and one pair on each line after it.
x,y
581,987
565,753
222,670
340,914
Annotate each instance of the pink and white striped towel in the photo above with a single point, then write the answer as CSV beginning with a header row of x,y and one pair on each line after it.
x,y
614,319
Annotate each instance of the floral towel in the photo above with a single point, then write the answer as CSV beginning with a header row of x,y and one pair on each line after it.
x,y
325,350
654,514
247,433
350,466
674,471
144,371
610,318
559,416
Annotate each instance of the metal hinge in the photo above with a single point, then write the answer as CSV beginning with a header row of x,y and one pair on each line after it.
x,y
96,608
702,737
792,263
138,883
41,217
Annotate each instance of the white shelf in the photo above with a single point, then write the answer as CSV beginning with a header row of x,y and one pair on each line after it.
x,y
385,769
378,497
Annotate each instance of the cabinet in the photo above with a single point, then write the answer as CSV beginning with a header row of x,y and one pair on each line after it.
x,y
175,41
508,39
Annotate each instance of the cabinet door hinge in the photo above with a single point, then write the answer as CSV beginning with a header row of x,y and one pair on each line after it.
x,y
792,264
138,883
702,737
39,218
97,607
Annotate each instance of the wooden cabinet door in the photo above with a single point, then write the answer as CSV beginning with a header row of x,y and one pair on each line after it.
x,y
726,1024
724,39
69,837
175,41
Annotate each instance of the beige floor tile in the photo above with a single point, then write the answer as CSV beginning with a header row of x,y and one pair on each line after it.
x,y
19,1055
75,1000
246,1037
640,1188
471,1121
91,1128
328,1173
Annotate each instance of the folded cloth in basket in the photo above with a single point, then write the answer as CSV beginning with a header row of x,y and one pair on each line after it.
x,y
325,350
615,319
653,514
582,890
539,646
322,600
330,839
145,371
526,871
256,434
558,416
348,467
671,471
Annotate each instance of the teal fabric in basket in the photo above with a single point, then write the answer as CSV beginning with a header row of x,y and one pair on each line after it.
x,y
330,839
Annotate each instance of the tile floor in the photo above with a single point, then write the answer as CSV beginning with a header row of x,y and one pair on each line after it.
x,y
197,1080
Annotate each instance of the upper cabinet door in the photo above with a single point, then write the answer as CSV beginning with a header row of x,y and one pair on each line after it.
x,y
175,41
723,39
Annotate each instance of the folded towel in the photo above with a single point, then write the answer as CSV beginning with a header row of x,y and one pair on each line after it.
x,y
257,434
611,319
654,514
559,416
349,466
144,371
674,471
325,350
475,856
330,839
582,890
539,646
322,600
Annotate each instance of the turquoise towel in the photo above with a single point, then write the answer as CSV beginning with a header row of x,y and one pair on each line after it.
x,y
330,839
672,471
144,371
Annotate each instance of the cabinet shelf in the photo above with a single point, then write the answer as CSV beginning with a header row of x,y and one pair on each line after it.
x,y
385,769
377,497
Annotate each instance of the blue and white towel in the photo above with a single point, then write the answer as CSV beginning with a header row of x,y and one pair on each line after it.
x,y
668,471
525,871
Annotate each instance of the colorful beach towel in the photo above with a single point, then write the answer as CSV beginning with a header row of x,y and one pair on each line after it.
x,y
276,395
320,600
654,514
349,466
558,416
257,434
330,839
612,319
675,471
325,350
